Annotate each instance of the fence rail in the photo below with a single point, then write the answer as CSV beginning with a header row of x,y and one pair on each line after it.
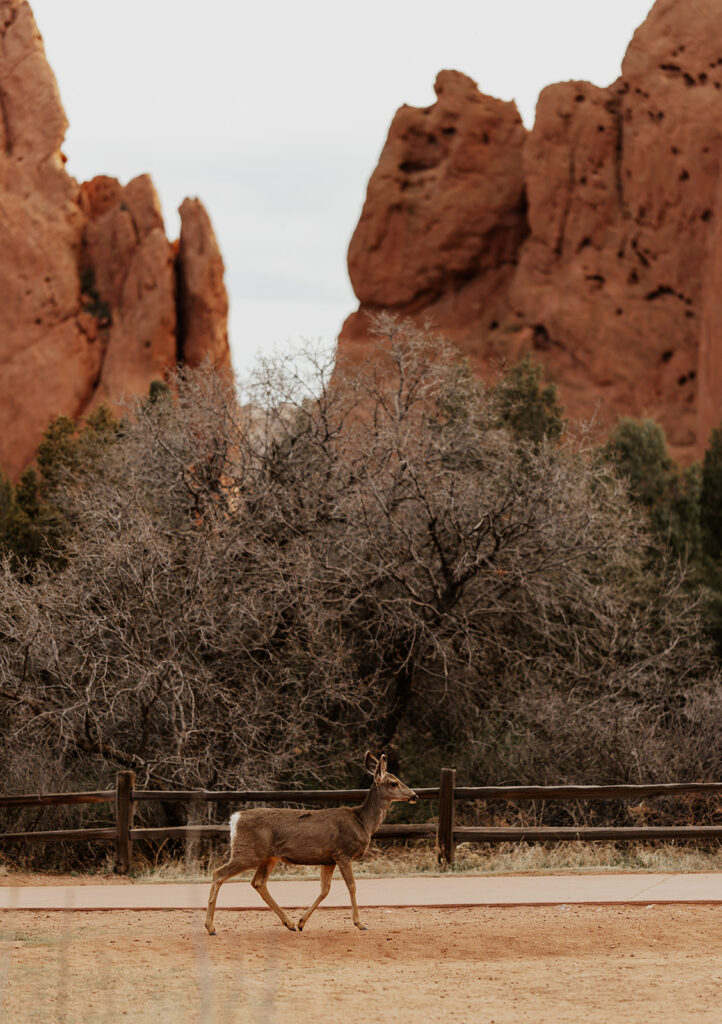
x,y
447,833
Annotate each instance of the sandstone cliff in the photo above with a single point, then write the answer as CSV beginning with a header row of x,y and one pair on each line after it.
x,y
593,241
95,302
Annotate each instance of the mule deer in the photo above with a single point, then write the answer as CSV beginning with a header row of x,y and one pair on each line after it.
x,y
335,836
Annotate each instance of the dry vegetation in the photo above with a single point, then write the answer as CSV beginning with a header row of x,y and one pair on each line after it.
x,y
381,558
387,860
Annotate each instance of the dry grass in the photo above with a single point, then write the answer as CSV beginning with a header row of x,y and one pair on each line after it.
x,y
421,859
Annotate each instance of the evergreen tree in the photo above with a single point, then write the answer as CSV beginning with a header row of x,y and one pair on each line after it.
x,y
31,526
710,512
670,495
530,411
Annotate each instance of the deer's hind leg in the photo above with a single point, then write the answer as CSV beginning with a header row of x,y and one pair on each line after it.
x,y
232,867
259,884
327,871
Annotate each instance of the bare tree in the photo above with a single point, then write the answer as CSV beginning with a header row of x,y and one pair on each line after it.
x,y
254,592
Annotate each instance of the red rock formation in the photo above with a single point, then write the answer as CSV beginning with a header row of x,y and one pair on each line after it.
x,y
445,214
202,298
129,278
592,241
88,306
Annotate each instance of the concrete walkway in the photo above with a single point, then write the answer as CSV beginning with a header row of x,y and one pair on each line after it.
x,y
420,891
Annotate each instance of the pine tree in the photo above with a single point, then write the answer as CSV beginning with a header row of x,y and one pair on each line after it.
x,y
532,412
670,495
711,497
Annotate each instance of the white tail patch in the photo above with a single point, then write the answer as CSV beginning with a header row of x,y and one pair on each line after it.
x,y
234,825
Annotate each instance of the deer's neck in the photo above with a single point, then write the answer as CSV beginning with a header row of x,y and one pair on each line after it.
x,y
373,810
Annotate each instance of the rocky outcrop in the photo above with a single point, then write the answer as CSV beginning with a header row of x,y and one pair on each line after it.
x,y
128,277
593,241
202,298
88,280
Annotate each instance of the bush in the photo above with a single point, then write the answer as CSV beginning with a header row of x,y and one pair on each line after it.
x,y
253,594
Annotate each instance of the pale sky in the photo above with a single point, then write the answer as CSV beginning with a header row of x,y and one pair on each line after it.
x,y
274,114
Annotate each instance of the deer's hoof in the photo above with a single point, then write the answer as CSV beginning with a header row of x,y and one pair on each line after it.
x,y
211,931
291,925
361,927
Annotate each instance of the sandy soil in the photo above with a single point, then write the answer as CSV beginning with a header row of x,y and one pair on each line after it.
x,y
561,964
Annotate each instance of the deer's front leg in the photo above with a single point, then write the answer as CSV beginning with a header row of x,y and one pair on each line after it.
x,y
326,875
346,870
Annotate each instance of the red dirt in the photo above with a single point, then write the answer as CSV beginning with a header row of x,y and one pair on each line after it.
x,y
561,964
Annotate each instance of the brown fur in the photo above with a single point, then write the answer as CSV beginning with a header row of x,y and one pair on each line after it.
x,y
331,837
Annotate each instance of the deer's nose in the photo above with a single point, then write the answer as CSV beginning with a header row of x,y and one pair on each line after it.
x,y
413,798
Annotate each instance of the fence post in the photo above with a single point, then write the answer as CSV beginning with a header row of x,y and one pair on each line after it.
x,y
196,813
124,809
445,833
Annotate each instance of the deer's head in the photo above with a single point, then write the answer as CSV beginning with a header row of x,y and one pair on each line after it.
x,y
389,786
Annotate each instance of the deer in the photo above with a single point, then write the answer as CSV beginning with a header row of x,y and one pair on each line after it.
x,y
332,837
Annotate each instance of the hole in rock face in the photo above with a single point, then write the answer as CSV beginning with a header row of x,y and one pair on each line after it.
x,y
414,166
675,150
485,138
706,214
663,289
703,77
600,128
586,241
666,356
146,344
692,374
583,180
448,131
618,311
541,337
682,380
493,325
580,97
684,176
633,278
689,79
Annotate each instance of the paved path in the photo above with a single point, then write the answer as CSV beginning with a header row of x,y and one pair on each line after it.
x,y
420,891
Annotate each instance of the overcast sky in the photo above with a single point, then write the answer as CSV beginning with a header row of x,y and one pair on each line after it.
x,y
274,114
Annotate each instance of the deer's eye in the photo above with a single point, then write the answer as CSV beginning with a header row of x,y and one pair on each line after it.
x,y
395,785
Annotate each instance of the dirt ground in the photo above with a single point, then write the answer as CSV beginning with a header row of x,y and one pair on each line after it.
x,y
502,965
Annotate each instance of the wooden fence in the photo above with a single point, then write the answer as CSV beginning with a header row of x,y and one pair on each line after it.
x,y
445,831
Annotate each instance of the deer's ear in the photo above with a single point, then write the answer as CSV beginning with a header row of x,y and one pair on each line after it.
x,y
370,763
381,768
